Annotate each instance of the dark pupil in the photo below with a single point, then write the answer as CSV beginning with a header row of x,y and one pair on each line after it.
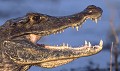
x,y
36,18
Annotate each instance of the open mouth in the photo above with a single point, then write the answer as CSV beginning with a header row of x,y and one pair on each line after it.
x,y
73,52
34,38
39,25
59,55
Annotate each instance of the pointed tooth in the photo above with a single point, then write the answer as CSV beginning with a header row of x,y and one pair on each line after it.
x,y
60,31
101,43
85,21
57,45
89,44
67,45
57,32
77,28
63,31
63,44
96,20
85,42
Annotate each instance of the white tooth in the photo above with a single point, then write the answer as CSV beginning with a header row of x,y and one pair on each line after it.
x,y
85,42
60,31
85,21
95,20
63,31
89,44
63,44
67,45
77,28
57,45
54,33
101,43
57,32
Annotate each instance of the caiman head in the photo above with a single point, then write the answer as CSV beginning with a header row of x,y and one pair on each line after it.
x,y
33,26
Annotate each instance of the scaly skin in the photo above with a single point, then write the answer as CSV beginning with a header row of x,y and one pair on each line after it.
x,y
18,40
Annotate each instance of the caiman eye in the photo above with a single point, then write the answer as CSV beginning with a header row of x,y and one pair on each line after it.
x,y
36,18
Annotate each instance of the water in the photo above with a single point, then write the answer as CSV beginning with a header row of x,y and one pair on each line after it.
x,y
90,31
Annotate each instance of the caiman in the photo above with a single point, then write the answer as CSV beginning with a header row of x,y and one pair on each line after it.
x,y
19,49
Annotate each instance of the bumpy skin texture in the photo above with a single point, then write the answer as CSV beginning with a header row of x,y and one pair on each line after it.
x,y
18,37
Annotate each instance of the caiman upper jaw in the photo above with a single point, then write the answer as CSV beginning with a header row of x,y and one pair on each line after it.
x,y
75,21
43,25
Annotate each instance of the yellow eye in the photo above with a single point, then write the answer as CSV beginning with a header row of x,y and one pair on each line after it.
x,y
36,18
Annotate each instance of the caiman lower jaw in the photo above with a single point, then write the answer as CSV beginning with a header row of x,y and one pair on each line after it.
x,y
65,54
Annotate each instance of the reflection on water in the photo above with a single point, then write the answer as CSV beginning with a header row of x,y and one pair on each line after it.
x,y
90,31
